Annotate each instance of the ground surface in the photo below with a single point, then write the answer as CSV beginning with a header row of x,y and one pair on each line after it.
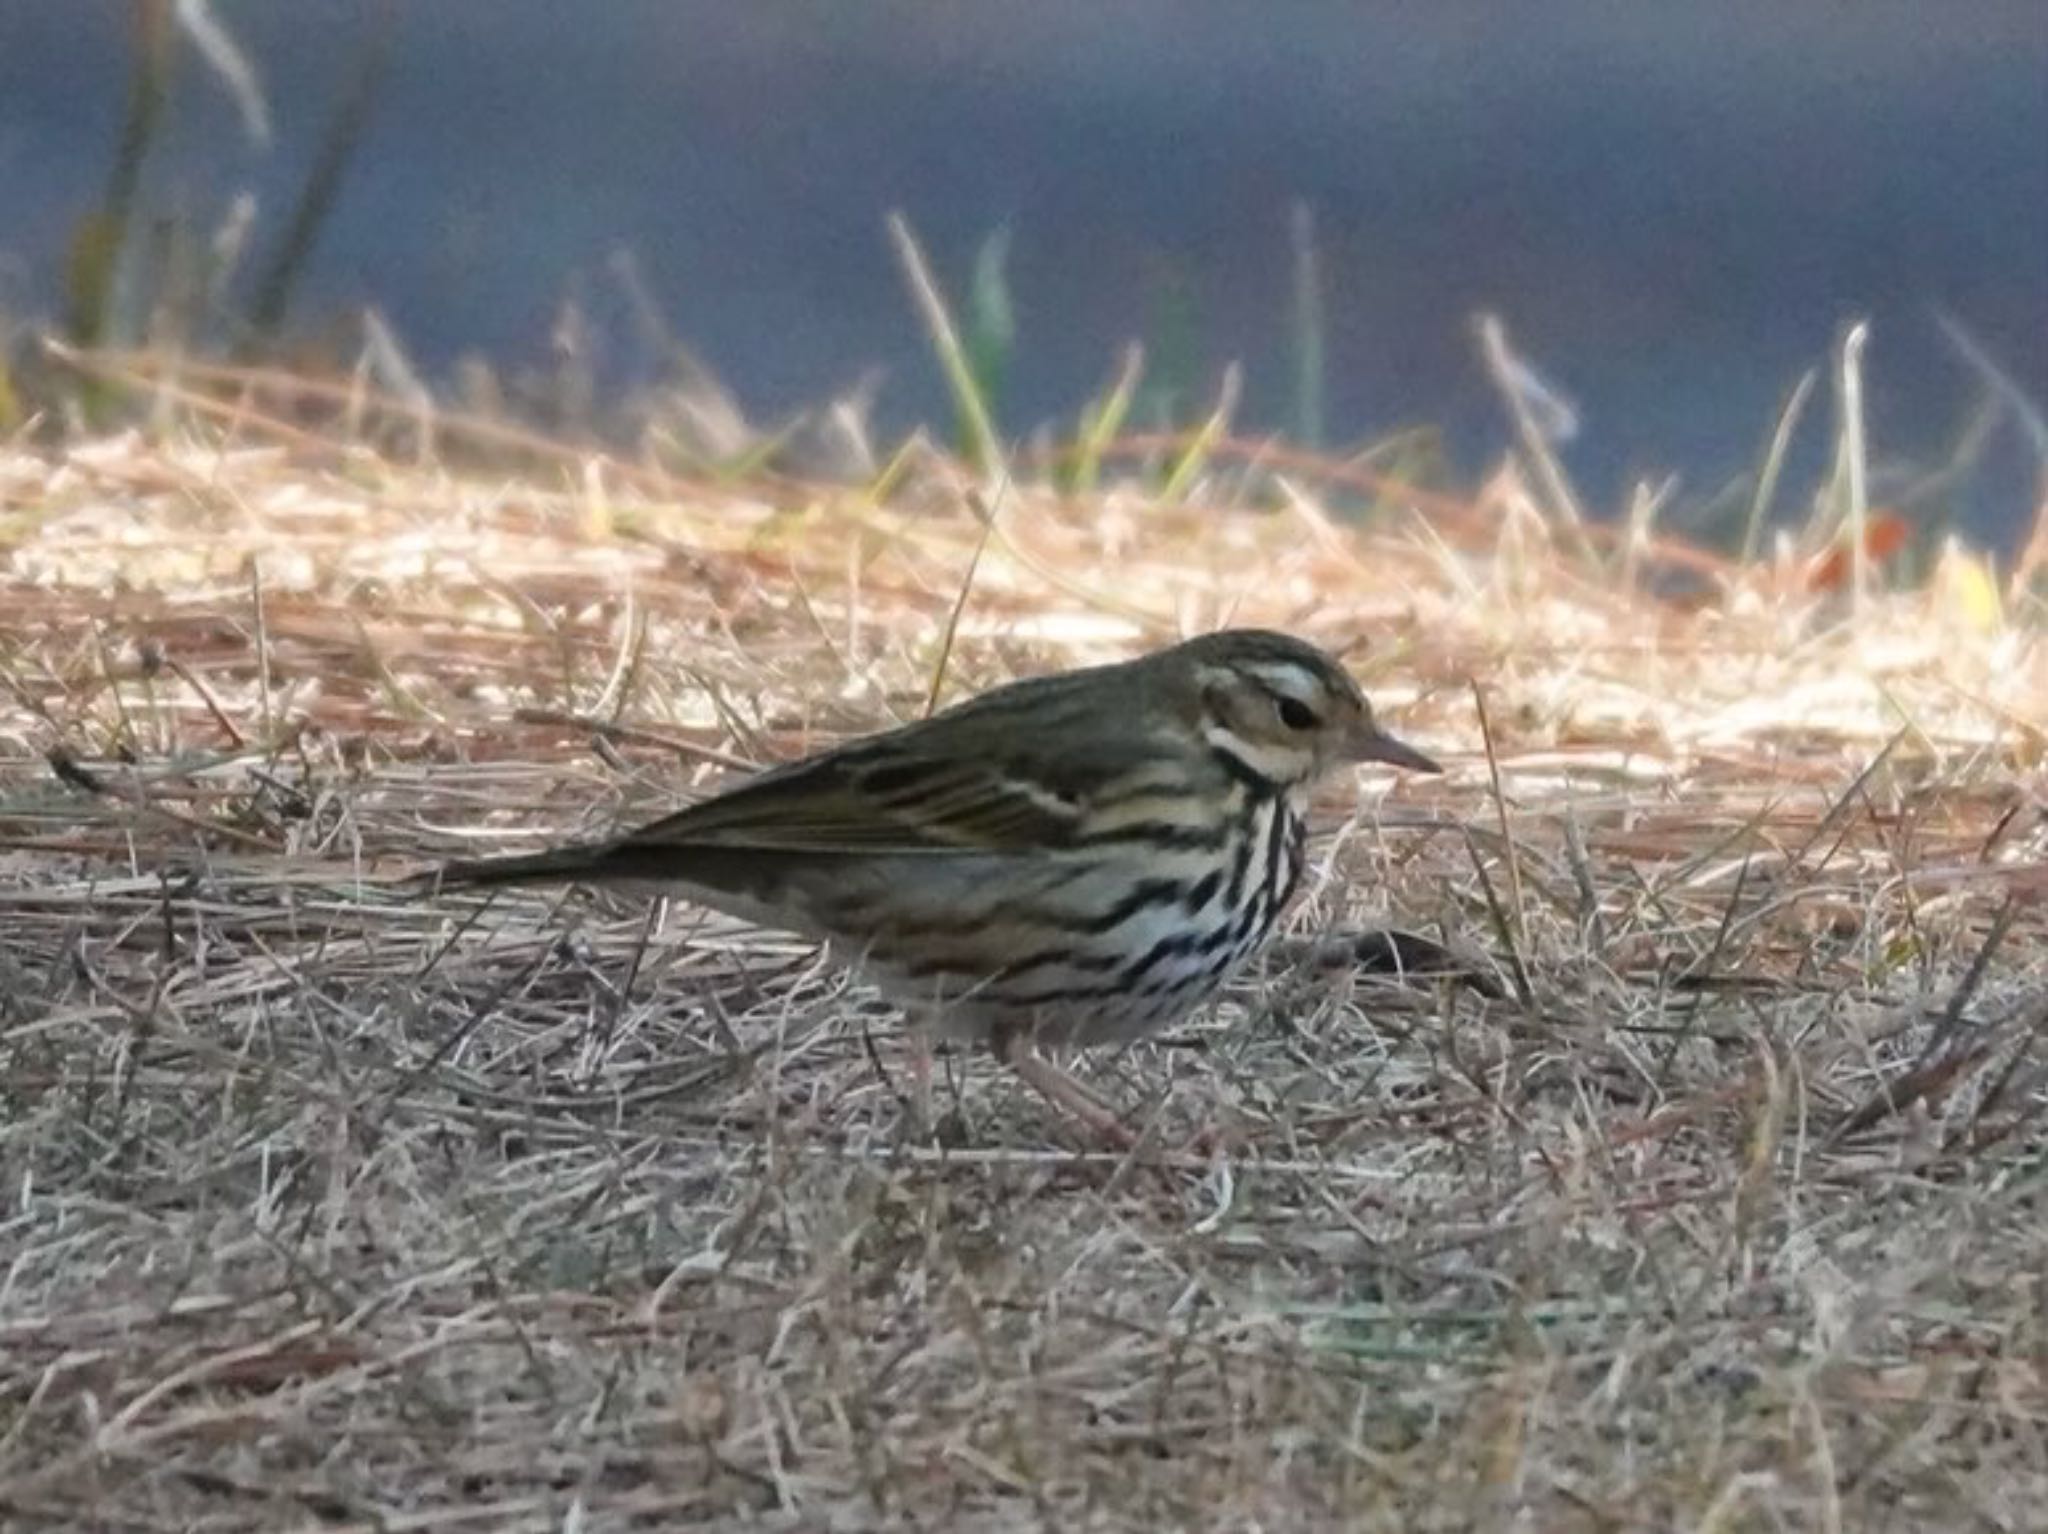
x,y
325,1206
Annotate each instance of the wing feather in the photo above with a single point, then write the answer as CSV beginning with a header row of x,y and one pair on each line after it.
x,y
878,800
1020,769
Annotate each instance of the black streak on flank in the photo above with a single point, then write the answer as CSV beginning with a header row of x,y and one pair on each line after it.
x,y
1061,956
1180,945
1253,921
1145,895
1173,947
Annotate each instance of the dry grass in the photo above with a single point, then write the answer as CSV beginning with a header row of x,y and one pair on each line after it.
x,y
327,1208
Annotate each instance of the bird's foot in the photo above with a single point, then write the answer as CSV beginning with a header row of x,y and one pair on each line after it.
x,y
1072,1098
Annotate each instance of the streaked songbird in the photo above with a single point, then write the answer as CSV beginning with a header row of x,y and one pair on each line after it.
x,y
1070,860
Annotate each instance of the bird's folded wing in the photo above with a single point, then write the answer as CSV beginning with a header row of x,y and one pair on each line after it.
x,y
869,801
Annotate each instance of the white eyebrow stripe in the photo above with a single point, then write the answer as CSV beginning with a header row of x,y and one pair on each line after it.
x,y
1291,682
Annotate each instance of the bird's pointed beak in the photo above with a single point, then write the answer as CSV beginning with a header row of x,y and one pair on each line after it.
x,y
1370,743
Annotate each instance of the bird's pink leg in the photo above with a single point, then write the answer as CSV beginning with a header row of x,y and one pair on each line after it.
x,y
1014,1048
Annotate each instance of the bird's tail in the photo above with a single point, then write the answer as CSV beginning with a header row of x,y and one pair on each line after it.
x,y
630,861
562,865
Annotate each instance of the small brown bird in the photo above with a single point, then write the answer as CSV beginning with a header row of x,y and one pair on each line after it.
x,y
1073,859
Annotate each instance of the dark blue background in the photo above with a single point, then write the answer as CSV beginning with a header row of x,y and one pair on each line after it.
x,y
1674,205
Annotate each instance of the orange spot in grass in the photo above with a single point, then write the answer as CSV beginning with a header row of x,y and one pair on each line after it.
x,y
1884,534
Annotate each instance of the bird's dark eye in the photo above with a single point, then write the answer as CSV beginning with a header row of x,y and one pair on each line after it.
x,y
1297,715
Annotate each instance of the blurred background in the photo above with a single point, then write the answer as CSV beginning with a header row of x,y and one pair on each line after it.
x,y
1674,207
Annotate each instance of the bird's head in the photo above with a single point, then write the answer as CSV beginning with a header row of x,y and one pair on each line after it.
x,y
1283,709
